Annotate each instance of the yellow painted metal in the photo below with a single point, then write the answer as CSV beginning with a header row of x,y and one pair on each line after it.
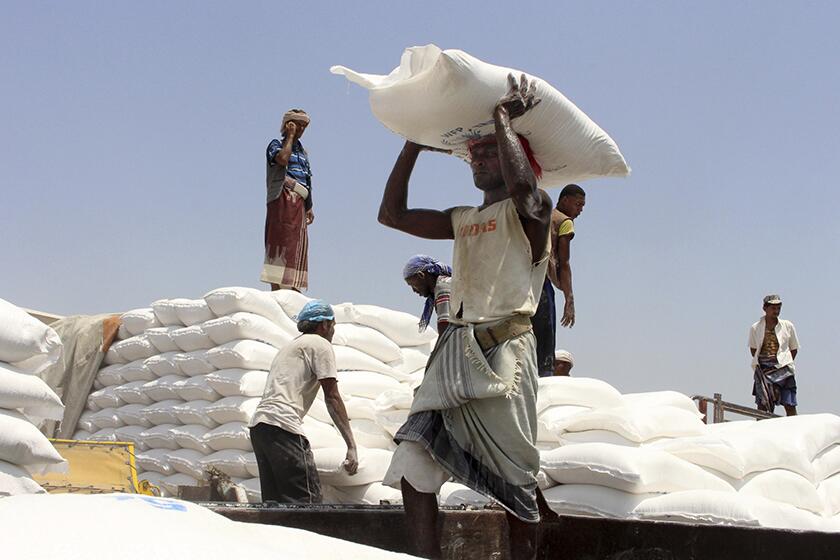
x,y
95,467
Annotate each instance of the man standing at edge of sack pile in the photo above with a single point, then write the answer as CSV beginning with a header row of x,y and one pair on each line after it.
x,y
288,180
474,415
431,279
774,345
284,456
570,205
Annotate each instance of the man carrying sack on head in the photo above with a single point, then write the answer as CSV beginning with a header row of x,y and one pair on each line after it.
x,y
288,206
474,416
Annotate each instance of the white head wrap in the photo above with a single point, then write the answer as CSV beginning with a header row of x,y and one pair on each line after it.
x,y
564,356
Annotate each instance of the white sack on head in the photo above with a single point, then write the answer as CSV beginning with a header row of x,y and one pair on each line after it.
x,y
445,98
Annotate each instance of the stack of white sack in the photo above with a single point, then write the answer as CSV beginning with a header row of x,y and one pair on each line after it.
x,y
27,347
649,456
187,375
174,529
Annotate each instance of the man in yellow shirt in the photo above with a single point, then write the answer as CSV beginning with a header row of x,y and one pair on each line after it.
x,y
569,206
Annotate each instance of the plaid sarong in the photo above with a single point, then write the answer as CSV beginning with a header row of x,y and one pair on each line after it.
x,y
286,242
484,425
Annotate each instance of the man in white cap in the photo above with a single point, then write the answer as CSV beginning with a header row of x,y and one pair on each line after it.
x,y
288,206
774,346
563,363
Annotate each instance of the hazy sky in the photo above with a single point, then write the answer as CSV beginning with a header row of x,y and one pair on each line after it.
x,y
132,163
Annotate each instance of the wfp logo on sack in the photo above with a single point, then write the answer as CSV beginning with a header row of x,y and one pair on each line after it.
x,y
160,503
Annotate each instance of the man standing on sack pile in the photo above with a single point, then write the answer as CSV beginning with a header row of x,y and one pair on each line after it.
x,y
773,345
473,417
431,279
284,456
288,207
569,206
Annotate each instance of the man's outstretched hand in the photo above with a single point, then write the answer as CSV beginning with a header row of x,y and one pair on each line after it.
x,y
520,98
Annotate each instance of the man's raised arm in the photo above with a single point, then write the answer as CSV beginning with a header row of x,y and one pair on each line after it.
x,y
533,204
394,211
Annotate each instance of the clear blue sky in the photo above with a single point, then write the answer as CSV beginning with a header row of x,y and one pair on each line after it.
x,y
132,163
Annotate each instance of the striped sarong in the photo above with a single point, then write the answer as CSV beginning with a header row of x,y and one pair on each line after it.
x,y
475,412
286,242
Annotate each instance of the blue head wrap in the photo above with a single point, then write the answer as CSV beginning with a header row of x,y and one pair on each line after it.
x,y
316,311
429,265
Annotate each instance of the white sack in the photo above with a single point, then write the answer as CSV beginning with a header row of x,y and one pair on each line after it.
x,y
187,461
227,301
398,398
233,435
137,321
162,389
196,388
161,338
194,412
106,418
243,354
661,398
291,301
15,481
26,340
247,326
138,370
82,435
131,434
321,434
166,313
85,422
724,508
400,327
784,486
238,382
233,409
392,420
370,435
175,529
112,357
164,364
373,464
319,411
578,391
193,363
29,393
706,451
365,383
413,358
553,414
635,424
159,437
444,98
827,463
588,499
110,375
155,460
367,340
253,490
829,492
372,494
630,469
192,311
192,437
230,461
105,434
251,464
162,412
131,415
191,338
350,359
359,408
107,397
596,436
135,348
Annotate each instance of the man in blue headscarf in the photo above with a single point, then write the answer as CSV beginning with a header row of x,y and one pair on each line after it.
x,y
284,456
431,279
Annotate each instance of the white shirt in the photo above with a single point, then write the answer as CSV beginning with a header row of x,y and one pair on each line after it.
x,y
293,382
785,334
494,276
